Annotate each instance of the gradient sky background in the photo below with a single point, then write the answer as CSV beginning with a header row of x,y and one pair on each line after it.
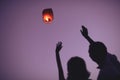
x,y
28,45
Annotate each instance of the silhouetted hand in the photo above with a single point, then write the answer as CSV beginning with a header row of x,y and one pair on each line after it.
x,y
84,31
58,47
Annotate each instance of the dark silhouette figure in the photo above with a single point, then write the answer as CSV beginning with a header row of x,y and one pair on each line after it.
x,y
76,67
107,63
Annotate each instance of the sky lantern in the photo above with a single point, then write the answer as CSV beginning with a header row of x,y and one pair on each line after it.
x,y
47,15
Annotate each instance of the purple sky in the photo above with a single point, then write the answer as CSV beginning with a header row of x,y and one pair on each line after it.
x,y
28,44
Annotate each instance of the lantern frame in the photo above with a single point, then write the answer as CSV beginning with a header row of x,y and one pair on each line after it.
x,y
47,15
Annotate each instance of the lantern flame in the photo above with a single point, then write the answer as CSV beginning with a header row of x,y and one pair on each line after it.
x,y
47,18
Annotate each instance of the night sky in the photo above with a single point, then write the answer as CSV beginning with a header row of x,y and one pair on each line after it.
x,y
27,44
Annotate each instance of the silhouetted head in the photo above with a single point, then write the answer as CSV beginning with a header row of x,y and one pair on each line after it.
x,y
97,52
77,69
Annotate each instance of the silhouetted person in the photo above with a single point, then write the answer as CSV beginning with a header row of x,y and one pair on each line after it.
x,y
76,67
107,63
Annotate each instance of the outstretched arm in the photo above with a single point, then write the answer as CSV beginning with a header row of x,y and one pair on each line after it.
x,y
84,32
60,70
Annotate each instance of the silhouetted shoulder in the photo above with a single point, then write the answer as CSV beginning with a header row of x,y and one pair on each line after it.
x,y
110,69
115,61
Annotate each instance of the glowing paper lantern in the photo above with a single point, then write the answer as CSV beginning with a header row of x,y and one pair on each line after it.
x,y
47,15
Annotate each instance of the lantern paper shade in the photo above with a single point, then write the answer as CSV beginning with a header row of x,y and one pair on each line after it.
x,y
47,15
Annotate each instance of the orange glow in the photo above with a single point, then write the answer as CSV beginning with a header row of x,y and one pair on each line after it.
x,y
47,15
47,18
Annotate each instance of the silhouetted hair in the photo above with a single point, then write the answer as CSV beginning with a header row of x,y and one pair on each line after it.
x,y
98,52
77,69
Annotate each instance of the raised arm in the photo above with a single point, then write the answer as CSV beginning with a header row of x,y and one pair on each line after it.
x,y
84,32
60,70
